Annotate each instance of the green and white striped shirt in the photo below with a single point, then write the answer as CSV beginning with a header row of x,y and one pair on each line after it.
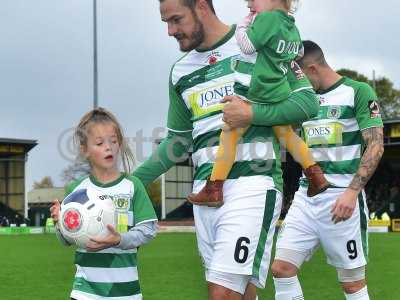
x,y
112,273
334,136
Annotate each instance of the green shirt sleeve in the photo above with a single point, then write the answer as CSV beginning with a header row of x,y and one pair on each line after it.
x,y
263,29
366,107
143,210
179,116
172,150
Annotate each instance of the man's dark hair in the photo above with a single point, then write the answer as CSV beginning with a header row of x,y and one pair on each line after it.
x,y
192,3
312,54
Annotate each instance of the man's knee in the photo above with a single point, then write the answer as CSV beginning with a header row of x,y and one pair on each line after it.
x,y
218,292
251,292
353,287
283,269
287,262
224,285
352,280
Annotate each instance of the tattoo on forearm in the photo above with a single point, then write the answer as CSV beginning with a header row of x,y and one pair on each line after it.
x,y
373,137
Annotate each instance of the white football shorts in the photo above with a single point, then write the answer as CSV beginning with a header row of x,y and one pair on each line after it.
x,y
308,224
237,237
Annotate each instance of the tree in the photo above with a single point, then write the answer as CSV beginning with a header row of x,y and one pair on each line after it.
x,y
45,183
389,97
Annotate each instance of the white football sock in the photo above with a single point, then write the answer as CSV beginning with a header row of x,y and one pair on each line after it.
x,y
288,289
360,295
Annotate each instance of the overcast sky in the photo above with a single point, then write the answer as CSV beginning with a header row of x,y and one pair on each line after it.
x,y
46,62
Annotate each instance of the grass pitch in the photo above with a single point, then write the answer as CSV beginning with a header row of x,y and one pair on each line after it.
x,y
38,267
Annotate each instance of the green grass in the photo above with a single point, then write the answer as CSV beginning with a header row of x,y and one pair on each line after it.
x,y
38,267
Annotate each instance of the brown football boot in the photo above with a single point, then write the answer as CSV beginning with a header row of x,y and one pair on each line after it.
x,y
210,195
317,182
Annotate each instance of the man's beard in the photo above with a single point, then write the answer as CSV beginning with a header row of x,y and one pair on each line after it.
x,y
196,38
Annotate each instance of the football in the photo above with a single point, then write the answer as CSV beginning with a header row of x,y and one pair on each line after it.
x,y
84,214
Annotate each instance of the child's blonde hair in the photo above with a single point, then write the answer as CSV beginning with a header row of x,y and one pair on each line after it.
x,y
101,115
292,5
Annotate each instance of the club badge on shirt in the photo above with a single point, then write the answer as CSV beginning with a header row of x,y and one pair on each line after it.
x,y
122,204
374,110
334,112
213,57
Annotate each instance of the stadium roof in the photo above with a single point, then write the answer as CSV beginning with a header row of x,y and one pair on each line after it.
x,y
27,144
391,121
